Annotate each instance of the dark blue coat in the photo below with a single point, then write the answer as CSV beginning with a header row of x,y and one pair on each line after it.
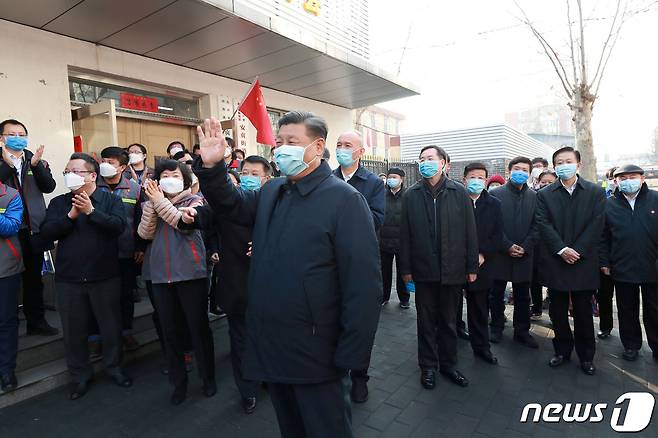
x,y
372,188
315,288
489,223
630,237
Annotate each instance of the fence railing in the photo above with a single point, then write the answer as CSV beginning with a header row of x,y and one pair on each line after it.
x,y
377,166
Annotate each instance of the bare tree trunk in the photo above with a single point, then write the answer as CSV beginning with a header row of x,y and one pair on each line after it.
x,y
583,101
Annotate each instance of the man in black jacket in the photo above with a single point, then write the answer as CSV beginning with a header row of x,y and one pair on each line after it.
x,y
513,262
314,290
30,175
439,253
629,253
389,241
570,215
489,222
87,224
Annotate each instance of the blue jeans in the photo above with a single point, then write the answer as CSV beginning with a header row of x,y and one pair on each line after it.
x,y
9,287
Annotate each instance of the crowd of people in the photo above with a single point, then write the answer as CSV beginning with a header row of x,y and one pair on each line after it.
x,y
300,258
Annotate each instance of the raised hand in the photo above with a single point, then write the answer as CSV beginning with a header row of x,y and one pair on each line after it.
x,y
212,142
37,156
153,191
83,203
189,213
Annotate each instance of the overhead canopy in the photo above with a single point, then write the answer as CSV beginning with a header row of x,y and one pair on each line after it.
x,y
201,36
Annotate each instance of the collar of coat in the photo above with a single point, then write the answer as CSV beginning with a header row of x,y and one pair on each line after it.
x,y
307,184
557,185
512,188
124,183
619,195
449,184
360,173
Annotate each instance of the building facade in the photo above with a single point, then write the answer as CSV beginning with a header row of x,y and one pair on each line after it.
x,y
380,129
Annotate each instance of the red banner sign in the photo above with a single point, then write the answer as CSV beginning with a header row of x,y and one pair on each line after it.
x,y
139,103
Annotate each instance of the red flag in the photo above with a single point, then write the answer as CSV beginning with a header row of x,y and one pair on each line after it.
x,y
253,107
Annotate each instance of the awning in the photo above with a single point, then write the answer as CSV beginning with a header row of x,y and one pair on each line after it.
x,y
199,35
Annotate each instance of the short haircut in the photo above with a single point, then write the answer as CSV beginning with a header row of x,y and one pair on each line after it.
x,y
447,157
566,149
171,145
257,159
235,174
610,174
239,151
439,150
547,172
140,146
315,126
519,160
229,142
172,165
326,155
476,166
116,152
196,146
91,163
180,155
11,122
541,160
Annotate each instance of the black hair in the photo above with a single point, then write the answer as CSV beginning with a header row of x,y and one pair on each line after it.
x,y
235,174
439,150
611,172
11,122
230,142
175,143
315,126
116,152
447,157
236,154
519,160
196,146
172,165
92,164
546,172
257,159
178,155
326,155
566,149
140,146
541,160
476,166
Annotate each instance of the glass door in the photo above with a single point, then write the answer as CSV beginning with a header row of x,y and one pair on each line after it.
x,y
96,125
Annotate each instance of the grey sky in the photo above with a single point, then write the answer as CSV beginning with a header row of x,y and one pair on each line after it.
x,y
474,62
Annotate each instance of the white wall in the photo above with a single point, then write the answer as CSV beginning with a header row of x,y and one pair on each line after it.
x,y
34,87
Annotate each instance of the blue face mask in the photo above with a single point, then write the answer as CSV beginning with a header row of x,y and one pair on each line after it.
x,y
16,143
519,177
344,157
393,183
630,186
428,168
566,171
249,182
474,186
290,159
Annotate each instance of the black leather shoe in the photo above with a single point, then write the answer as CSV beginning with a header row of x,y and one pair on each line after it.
x,y
588,368
630,355
495,337
557,360
462,333
359,391
179,394
122,380
456,377
209,388
249,405
603,334
428,379
78,389
41,328
8,382
527,340
486,356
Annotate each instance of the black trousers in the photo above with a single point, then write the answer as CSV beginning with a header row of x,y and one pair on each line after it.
x,y
33,306
187,342
604,297
319,410
237,331
459,315
191,299
76,303
437,335
387,277
477,313
536,288
128,276
583,334
628,308
521,307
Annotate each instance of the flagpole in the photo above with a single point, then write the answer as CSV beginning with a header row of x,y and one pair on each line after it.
x,y
253,84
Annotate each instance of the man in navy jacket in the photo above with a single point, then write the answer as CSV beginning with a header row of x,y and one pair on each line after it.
x,y
314,287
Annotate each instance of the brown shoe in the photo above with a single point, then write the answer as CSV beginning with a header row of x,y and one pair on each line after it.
x,y
95,349
130,343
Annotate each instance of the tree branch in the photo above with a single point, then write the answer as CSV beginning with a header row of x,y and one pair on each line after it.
x,y
583,63
607,41
573,55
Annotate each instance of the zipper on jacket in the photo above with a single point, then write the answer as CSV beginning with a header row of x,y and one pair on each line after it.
x,y
436,235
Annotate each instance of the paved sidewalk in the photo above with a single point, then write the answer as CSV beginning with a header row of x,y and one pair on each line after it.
x,y
398,407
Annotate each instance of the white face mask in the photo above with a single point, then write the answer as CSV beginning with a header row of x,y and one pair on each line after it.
x,y
171,186
176,149
73,181
536,171
227,151
107,170
136,158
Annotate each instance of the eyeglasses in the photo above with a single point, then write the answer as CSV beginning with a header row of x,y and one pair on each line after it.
x,y
77,172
